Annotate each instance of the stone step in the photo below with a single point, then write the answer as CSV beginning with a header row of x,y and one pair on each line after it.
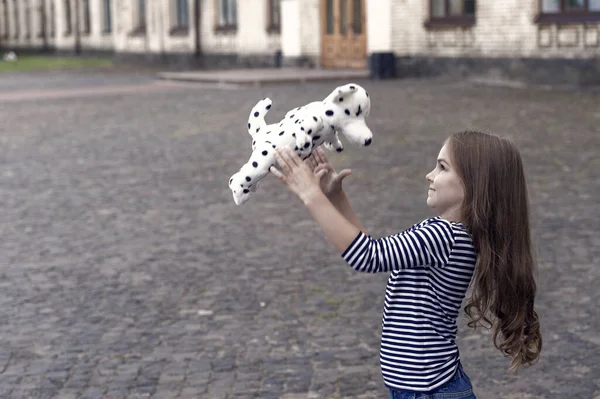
x,y
265,75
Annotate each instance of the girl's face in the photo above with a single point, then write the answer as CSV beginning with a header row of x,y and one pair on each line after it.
x,y
446,191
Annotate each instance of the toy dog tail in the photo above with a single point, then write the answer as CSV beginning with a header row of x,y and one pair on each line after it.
x,y
256,120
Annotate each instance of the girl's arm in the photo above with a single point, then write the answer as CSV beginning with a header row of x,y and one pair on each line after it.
x,y
338,228
301,180
341,203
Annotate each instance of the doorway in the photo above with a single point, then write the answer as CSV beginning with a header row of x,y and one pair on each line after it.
x,y
343,38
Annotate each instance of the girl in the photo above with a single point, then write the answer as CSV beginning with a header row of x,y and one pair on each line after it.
x,y
482,235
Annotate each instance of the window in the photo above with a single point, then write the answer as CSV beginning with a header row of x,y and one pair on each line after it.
x,y
107,20
87,28
274,15
41,25
180,18
451,12
141,22
568,11
27,17
6,19
357,14
182,15
52,20
226,14
68,27
16,19
139,17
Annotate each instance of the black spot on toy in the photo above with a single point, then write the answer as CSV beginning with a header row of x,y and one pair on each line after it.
x,y
347,111
265,153
329,112
255,164
256,114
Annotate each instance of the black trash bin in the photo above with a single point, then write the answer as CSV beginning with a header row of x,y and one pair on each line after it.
x,y
383,65
278,59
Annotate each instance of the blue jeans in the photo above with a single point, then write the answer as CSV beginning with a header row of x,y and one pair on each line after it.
x,y
459,387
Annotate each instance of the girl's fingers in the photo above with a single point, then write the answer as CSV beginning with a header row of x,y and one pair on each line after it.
x,y
291,157
320,155
321,167
277,174
344,173
282,161
320,174
310,161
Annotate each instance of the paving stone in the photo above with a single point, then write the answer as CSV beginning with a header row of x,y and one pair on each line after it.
x,y
127,271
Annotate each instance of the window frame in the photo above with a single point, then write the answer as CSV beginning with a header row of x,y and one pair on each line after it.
x,y
180,27
139,18
86,19
272,25
16,15
566,16
106,16
464,20
6,17
42,17
228,26
68,14
27,19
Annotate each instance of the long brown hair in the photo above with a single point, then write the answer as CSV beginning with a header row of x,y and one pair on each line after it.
x,y
495,213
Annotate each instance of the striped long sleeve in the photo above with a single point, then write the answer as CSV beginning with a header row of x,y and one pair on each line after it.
x,y
431,265
426,244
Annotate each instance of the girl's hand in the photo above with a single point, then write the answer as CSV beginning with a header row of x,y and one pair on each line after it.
x,y
331,182
299,178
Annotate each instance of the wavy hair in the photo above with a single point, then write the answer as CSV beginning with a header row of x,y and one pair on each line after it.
x,y
495,213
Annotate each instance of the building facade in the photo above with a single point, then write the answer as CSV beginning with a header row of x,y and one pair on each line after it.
x,y
545,38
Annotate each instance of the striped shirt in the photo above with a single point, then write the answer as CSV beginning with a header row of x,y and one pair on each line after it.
x,y
431,266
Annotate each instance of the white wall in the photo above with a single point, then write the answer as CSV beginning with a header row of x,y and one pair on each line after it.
x,y
291,43
379,25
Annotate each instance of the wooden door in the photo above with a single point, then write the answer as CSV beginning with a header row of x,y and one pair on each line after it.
x,y
343,38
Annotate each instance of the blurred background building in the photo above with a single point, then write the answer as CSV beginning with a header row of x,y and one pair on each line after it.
x,y
544,40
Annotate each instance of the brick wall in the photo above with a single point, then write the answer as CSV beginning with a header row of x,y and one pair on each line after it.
x,y
503,29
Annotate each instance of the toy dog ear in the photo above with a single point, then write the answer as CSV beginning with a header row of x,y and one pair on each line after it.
x,y
342,91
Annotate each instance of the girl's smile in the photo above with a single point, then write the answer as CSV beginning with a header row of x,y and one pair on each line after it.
x,y
446,192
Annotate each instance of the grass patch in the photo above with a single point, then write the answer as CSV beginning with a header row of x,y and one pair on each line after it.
x,y
36,63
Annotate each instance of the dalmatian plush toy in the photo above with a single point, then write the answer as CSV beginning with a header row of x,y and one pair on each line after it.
x,y
303,129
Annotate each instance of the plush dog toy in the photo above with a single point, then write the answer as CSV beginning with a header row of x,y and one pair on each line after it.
x,y
303,129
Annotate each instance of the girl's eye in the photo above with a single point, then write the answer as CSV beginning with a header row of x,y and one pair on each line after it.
x,y
442,167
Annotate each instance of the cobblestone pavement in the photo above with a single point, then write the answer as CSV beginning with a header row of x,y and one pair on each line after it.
x,y
126,271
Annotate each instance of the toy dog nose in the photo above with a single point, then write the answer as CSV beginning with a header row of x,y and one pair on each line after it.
x,y
368,142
